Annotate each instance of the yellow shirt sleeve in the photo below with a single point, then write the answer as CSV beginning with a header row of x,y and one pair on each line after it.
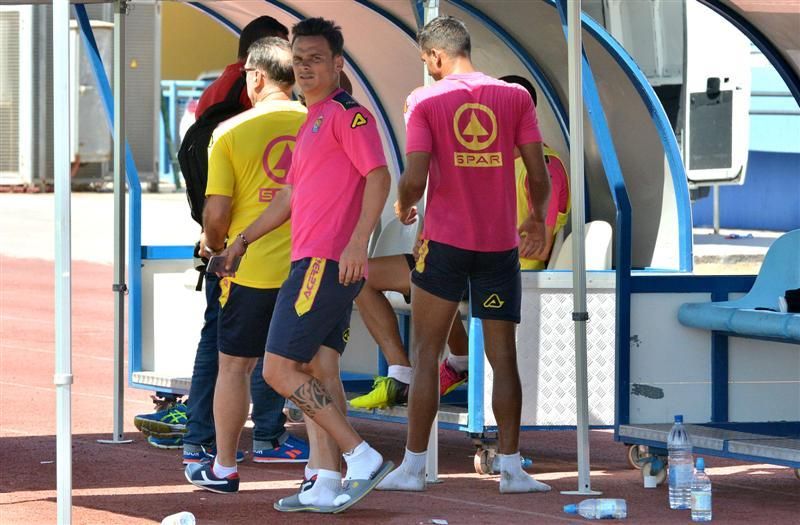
x,y
220,167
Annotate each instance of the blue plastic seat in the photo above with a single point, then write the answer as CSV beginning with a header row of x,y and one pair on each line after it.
x,y
779,272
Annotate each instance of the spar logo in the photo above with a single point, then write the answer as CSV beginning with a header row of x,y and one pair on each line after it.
x,y
311,279
278,158
475,128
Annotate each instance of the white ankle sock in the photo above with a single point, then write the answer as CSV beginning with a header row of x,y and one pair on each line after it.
x,y
401,373
222,471
515,480
362,462
325,490
309,473
409,476
459,363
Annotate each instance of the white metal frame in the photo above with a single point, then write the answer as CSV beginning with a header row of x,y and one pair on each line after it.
x,y
24,173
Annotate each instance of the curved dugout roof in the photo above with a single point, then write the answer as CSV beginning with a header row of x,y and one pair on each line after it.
x,y
509,37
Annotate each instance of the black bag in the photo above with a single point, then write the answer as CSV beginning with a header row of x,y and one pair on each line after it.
x,y
793,300
193,155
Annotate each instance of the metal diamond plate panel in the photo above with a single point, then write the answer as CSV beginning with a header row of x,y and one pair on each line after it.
x,y
546,356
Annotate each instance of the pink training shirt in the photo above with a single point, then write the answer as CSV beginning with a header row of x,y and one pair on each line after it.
x,y
470,124
336,148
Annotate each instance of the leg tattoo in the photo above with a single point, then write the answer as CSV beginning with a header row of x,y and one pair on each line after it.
x,y
311,397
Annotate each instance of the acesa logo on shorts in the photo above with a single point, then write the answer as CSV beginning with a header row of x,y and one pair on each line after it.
x,y
311,279
346,335
493,302
475,128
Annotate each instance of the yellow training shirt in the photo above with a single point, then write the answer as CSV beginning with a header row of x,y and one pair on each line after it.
x,y
558,211
248,159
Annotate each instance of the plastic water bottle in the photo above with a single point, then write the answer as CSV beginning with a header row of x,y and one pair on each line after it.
x,y
599,509
680,466
181,518
701,493
524,462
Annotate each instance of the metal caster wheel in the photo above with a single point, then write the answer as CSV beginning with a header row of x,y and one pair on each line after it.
x,y
638,455
484,461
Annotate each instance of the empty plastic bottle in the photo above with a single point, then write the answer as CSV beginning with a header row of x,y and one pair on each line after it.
x,y
599,509
701,493
181,518
681,466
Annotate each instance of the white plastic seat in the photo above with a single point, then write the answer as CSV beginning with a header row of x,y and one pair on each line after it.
x,y
599,236
395,238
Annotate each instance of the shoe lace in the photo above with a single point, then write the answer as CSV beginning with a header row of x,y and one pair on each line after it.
x,y
164,404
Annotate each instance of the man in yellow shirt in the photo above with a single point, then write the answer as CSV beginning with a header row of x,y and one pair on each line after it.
x,y
249,157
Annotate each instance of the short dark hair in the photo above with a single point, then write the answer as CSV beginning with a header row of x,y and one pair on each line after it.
x,y
321,27
447,33
522,81
261,27
273,56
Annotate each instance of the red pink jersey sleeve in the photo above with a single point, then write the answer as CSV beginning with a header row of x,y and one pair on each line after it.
x,y
559,191
357,132
418,131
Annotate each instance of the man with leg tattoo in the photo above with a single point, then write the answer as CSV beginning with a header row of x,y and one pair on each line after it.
x,y
336,189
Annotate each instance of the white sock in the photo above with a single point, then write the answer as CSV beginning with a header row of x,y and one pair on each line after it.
x,y
222,471
409,476
515,480
362,462
401,373
325,490
309,473
459,363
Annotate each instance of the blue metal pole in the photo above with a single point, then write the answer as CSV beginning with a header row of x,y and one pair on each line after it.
x,y
134,255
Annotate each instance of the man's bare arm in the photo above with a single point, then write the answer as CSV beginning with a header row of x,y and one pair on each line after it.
x,y
278,212
353,261
216,221
532,231
412,186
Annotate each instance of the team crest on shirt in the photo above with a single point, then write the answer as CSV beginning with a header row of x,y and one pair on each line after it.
x,y
475,128
358,121
317,124
278,158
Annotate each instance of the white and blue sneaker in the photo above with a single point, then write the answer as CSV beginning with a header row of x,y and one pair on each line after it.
x,y
202,475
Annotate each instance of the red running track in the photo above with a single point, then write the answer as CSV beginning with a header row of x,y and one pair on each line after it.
x,y
135,483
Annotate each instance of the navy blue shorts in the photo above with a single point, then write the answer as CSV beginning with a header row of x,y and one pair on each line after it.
x,y
492,278
244,319
313,309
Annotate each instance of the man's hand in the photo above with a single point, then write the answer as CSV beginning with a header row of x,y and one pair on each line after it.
x,y
532,235
353,262
406,216
235,249
417,246
206,251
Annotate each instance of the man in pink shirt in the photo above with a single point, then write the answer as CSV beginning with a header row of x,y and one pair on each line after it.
x,y
463,130
336,188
